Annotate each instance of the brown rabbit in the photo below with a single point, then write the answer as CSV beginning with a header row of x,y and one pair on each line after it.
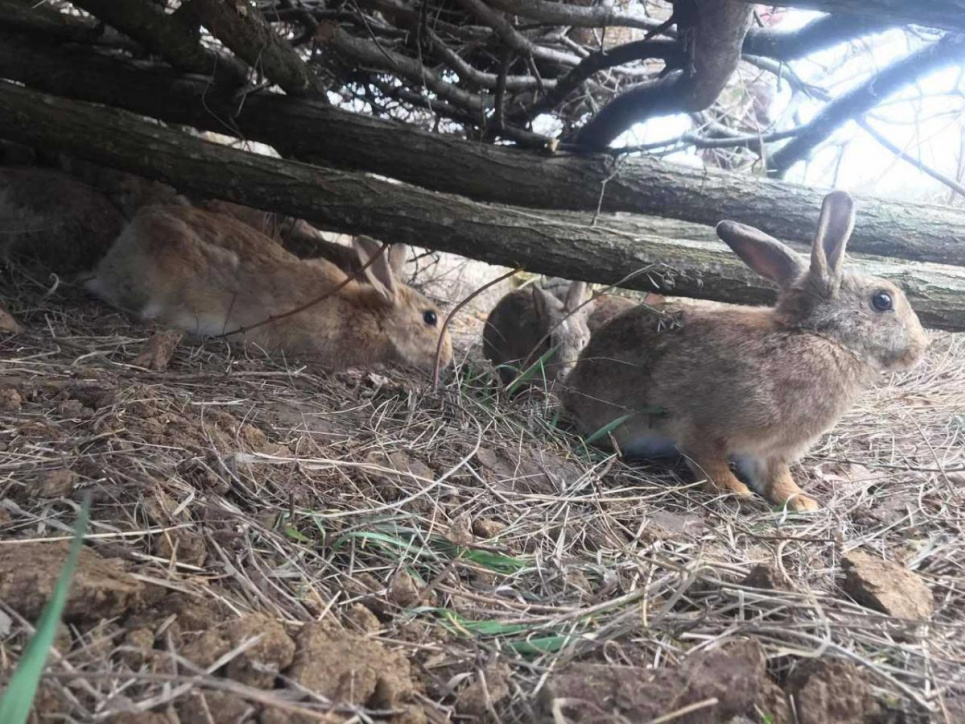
x,y
211,274
527,323
752,386
608,306
298,236
49,218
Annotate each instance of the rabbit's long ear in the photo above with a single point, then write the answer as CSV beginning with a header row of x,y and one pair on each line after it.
x,y
834,230
575,296
762,253
398,253
541,305
379,273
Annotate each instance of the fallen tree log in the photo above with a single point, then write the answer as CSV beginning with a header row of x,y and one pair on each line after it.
x,y
321,134
575,245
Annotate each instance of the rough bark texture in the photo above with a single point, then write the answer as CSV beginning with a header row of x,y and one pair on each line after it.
x,y
160,33
566,244
239,26
316,133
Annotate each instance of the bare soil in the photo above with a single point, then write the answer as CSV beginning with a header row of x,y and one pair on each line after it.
x,y
270,543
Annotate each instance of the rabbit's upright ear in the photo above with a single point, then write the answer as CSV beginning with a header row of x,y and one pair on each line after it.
x,y
379,272
834,230
398,253
547,307
762,253
575,296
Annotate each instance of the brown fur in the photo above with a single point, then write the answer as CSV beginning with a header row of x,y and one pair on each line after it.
x,y
527,323
211,274
755,386
49,218
608,306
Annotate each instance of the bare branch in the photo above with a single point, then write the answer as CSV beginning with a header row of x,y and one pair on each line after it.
x,y
945,14
375,56
916,162
240,27
629,52
555,243
513,38
311,132
557,13
717,36
819,34
162,34
864,97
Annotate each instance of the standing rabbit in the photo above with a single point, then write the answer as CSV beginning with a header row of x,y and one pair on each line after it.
x,y
211,274
753,386
528,323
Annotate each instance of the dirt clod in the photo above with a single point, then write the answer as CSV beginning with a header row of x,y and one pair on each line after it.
x,y
10,399
157,352
829,691
486,528
732,675
485,691
259,664
765,577
8,325
55,484
101,588
886,587
350,669
404,591
215,707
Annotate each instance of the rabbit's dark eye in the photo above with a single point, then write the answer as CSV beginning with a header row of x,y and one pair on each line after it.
x,y
430,317
882,301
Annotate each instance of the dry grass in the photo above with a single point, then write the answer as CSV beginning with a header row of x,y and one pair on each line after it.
x,y
472,526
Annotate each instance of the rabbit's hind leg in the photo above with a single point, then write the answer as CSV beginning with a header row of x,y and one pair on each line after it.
x,y
772,479
708,460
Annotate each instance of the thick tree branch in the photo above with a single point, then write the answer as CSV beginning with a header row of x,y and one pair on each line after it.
x,y
627,53
819,34
162,34
316,133
864,97
571,245
717,36
557,13
240,27
28,16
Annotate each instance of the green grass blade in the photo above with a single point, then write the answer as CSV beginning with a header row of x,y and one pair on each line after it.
x,y
18,699
606,429
527,374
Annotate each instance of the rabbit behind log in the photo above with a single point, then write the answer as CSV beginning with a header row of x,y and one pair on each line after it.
x,y
210,274
752,386
527,323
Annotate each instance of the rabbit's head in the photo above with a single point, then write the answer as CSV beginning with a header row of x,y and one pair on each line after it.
x,y
870,317
411,322
566,322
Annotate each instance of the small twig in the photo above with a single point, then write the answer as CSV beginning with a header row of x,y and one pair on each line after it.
x,y
463,303
904,156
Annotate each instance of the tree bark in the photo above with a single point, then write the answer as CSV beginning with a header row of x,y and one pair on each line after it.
x,y
566,244
320,134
